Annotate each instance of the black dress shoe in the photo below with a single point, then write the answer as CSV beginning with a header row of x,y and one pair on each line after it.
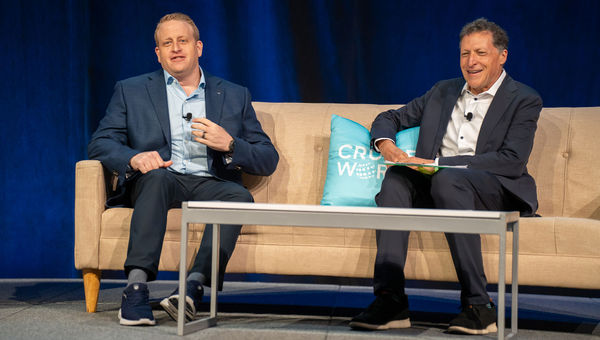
x,y
475,319
386,312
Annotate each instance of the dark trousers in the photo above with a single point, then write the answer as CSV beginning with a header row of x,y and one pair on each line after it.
x,y
153,194
466,189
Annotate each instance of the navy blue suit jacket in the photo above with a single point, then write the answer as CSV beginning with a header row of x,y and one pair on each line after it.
x,y
505,139
137,120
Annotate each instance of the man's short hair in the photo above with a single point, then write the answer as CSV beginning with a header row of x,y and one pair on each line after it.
x,y
180,17
499,36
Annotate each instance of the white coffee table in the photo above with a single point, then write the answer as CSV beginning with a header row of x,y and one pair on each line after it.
x,y
455,221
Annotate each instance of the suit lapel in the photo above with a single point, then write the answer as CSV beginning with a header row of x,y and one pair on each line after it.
x,y
215,96
497,109
158,95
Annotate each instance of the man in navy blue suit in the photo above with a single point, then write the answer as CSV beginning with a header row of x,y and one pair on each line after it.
x,y
175,135
484,121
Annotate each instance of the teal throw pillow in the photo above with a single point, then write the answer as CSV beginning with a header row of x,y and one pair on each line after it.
x,y
354,170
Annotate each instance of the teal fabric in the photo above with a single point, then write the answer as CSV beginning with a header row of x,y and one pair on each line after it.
x,y
354,170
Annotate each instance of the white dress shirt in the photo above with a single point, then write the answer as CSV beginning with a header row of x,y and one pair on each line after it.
x,y
461,135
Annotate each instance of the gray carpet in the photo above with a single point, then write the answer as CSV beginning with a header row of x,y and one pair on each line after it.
x,y
55,309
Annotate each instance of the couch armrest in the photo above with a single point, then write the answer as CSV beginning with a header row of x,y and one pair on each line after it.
x,y
90,196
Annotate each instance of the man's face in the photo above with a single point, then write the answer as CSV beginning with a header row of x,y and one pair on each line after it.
x,y
480,61
177,50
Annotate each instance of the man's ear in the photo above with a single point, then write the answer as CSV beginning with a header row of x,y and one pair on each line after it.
x,y
157,53
199,47
503,57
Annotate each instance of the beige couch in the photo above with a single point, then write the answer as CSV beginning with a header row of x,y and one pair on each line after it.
x,y
560,249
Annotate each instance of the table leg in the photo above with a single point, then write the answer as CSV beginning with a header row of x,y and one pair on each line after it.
x,y
515,281
182,277
184,328
214,282
501,283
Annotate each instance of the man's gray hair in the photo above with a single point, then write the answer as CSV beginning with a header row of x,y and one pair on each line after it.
x,y
499,36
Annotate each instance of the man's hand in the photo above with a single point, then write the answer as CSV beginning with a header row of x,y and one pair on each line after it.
x,y
428,170
391,152
211,134
149,160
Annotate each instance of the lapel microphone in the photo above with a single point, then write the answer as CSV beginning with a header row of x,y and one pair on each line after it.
x,y
188,116
468,115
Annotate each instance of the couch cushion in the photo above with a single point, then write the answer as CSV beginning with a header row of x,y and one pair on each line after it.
x,y
582,192
562,159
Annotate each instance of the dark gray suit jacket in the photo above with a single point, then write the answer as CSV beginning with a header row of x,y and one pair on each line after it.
x,y
137,120
505,139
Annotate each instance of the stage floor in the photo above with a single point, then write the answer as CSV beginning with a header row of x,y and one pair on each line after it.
x,y
55,309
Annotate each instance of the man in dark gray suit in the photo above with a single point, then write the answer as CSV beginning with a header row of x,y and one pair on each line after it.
x,y
484,121
175,135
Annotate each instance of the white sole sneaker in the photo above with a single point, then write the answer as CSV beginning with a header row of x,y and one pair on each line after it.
x,y
171,306
140,322
491,328
394,324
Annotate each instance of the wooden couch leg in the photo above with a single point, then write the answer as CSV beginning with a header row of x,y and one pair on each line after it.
x,y
91,287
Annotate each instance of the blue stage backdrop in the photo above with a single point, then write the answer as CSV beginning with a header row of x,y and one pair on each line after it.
x,y
60,60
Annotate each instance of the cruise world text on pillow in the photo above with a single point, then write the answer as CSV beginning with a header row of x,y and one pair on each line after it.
x,y
354,170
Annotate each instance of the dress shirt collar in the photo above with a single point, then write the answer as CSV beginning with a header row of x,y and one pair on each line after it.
x,y
169,79
492,90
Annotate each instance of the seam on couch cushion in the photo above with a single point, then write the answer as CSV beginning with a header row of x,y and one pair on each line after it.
x,y
555,234
566,170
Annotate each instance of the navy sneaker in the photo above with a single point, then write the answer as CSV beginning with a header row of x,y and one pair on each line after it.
x,y
135,306
475,319
195,291
386,312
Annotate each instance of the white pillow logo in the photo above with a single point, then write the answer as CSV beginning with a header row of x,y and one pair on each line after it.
x,y
369,167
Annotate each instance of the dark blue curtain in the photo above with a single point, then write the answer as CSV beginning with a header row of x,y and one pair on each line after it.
x,y
60,60
43,98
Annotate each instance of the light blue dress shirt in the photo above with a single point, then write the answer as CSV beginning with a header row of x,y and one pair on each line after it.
x,y
188,156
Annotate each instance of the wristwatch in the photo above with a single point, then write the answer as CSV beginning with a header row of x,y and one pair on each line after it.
x,y
229,154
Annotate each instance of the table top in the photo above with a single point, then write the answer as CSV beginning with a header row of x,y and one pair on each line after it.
x,y
510,216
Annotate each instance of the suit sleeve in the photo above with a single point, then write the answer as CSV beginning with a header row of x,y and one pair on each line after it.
x,y
109,144
510,158
254,152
